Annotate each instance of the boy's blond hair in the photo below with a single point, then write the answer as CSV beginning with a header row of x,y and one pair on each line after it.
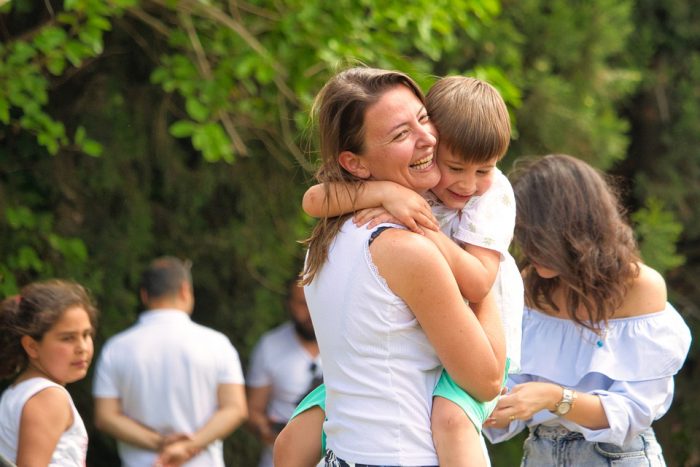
x,y
471,117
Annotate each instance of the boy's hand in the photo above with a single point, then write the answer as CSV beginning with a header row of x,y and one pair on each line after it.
x,y
375,216
409,208
401,206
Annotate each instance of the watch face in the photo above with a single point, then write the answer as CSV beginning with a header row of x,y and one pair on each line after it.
x,y
563,407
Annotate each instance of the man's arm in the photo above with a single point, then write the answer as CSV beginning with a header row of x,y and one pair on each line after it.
x,y
231,412
259,423
110,419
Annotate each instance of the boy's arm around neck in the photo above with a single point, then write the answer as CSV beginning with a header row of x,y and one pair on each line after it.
x,y
403,204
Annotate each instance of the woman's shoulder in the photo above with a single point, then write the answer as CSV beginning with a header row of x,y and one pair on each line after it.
x,y
392,241
647,294
404,257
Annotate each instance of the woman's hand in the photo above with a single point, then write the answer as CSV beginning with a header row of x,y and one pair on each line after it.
x,y
523,401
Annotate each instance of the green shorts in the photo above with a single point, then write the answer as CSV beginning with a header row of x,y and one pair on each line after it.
x,y
477,411
316,398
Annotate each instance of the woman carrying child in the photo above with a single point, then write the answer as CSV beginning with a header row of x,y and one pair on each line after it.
x,y
475,208
380,298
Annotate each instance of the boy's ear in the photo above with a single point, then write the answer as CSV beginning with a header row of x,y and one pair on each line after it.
x,y
354,164
29,344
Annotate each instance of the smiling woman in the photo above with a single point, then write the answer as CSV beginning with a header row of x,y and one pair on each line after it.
x,y
399,145
45,342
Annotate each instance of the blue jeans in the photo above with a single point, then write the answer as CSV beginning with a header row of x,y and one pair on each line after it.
x,y
555,446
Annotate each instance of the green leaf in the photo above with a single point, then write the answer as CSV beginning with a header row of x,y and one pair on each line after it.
x,y
75,52
100,23
28,259
20,217
182,128
80,134
92,39
55,64
50,38
21,53
92,148
73,249
196,110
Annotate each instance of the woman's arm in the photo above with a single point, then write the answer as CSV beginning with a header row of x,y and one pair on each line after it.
x,y
525,400
416,271
405,205
45,417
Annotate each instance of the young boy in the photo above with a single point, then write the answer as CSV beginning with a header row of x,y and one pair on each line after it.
x,y
475,209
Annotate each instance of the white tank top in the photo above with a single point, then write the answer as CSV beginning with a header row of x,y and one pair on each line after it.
x,y
71,449
378,366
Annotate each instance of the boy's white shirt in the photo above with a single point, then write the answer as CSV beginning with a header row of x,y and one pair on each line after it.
x,y
488,221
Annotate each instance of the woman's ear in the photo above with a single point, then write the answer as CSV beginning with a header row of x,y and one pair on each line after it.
x,y
354,164
30,345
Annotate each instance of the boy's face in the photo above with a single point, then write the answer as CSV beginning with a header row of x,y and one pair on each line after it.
x,y
460,180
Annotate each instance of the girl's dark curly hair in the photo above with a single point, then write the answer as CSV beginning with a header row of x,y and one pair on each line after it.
x,y
569,219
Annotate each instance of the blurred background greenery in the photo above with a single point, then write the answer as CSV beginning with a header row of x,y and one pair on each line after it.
x,y
136,128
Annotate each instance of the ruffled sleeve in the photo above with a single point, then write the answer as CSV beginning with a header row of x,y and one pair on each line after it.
x,y
630,367
638,348
630,408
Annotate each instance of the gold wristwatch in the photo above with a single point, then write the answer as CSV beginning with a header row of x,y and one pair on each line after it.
x,y
566,403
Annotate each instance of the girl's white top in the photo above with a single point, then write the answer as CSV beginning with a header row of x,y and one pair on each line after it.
x,y
488,221
71,449
378,366
630,366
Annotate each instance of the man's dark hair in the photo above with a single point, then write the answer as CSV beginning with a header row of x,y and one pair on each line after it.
x,y
164,276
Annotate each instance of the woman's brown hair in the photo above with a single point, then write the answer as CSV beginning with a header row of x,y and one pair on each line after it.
x,y
569,219
339,113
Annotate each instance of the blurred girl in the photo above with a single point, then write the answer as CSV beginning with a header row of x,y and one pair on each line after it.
x,y
45,342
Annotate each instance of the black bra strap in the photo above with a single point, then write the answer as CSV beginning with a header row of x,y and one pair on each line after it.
x,y
376,233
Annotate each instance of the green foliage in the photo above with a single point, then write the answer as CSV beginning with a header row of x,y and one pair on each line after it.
x,y
71,38
250,74
30,239
667,125
658,232
571,67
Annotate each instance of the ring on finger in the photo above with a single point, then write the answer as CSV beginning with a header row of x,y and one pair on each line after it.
x,y
512,417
